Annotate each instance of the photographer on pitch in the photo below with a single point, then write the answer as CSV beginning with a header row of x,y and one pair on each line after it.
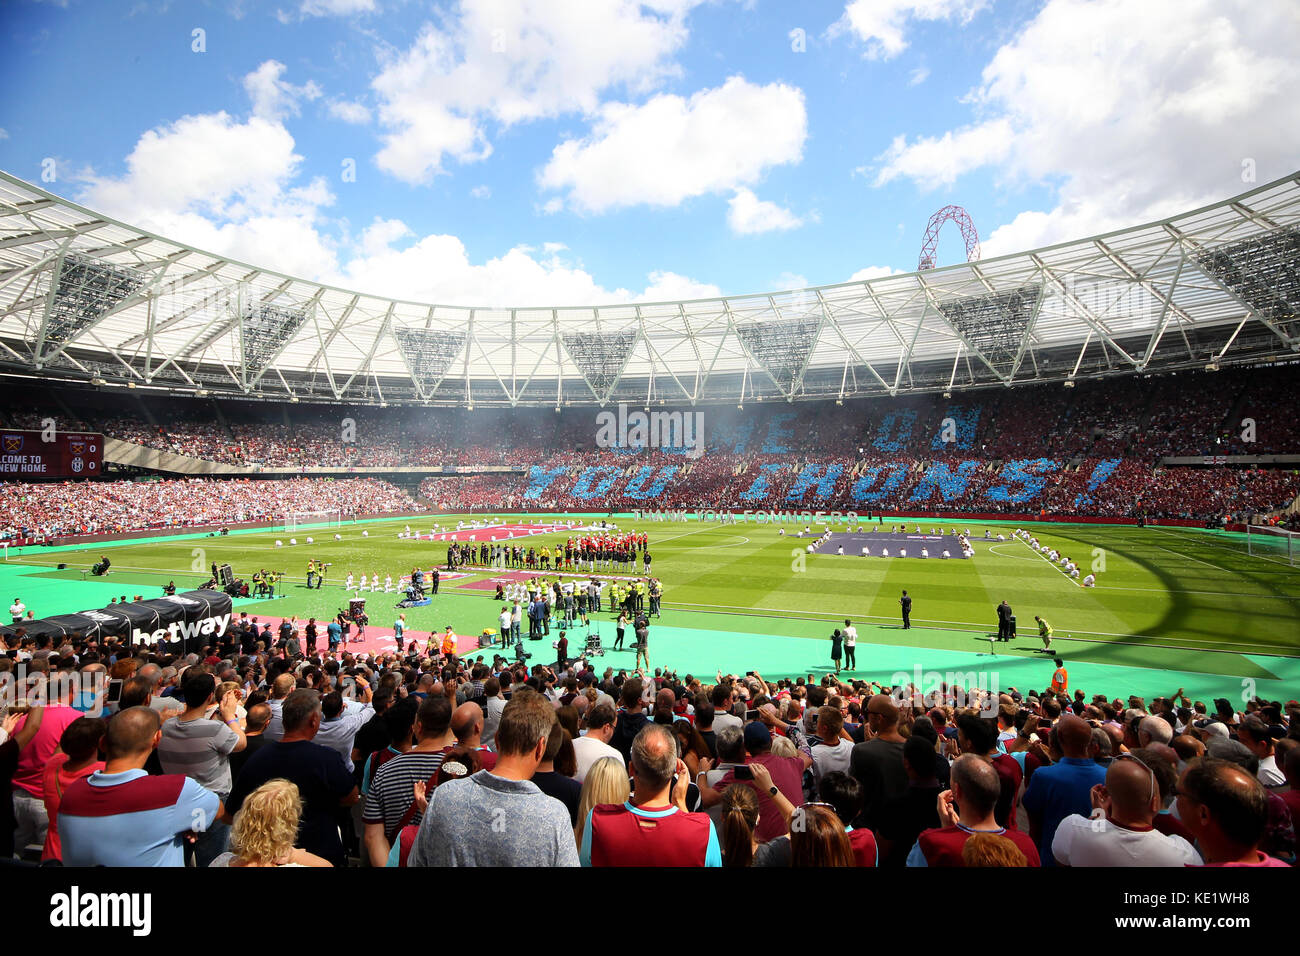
x,y
641,627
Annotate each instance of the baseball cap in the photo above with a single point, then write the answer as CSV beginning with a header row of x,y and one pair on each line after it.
x,y
1221,748
757,736
1212,728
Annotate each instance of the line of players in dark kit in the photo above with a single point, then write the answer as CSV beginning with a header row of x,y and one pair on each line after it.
x,y
598,551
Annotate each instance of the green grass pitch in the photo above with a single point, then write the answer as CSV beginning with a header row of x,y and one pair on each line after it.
x,y
1177,600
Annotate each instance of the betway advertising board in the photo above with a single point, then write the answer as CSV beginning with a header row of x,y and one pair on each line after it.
x,y
172,620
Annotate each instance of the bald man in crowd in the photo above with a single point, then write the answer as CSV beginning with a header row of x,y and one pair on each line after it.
x,y
1187,747
1064,787
123,816
965,810
467,726
653,827
1224,807
1120,832
258,716
1154,730
877,762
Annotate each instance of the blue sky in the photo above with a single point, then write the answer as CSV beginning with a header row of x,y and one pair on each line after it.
x,y
508,151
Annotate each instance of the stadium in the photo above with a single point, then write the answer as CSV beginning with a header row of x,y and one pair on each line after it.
x,y
1056,486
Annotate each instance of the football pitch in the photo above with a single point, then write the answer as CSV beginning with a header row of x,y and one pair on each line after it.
x,y
1172,607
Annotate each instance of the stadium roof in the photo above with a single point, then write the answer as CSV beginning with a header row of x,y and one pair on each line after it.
x,y
86,298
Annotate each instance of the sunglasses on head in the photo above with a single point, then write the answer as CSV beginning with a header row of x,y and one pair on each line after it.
x,y
1140,763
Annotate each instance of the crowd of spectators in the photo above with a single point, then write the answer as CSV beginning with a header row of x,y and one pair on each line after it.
x,y
1139,417
1125,488
47,511
1095,449
248,752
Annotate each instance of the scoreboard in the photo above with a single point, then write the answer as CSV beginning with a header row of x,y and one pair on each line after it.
x,y
27,454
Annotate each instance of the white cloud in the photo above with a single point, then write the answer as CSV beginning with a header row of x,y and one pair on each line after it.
x,y
4,133
219,184
481,192
671,287
872,272
210,163
513,61
938,161
274,98
918,76
438,269
670,149
790,280
748,215
882,24
233,188
335,8
1133,112
352,112
376,238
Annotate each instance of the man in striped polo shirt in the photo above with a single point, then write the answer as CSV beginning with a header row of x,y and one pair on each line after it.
x,y
391,793
653,828
200,749
122,816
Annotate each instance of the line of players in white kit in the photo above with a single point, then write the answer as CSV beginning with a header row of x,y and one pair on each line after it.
x,y
963,539
1065,563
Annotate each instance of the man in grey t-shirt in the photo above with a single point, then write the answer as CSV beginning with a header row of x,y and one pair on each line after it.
x,y
499,817
200,748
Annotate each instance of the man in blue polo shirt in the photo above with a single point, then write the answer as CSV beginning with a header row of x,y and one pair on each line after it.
x,y
1065,787
653,828
122,816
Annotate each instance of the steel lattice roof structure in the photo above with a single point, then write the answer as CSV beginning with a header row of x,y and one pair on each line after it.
x,y
84,298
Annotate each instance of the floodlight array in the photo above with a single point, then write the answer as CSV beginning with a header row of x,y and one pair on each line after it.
x,y
85,291
428,353
266,329
994,325
781,347
1264,272
600,356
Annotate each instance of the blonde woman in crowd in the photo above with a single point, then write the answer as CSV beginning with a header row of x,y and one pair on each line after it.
x,y
606,782
266,828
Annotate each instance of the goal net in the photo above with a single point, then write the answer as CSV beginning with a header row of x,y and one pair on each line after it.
x,y
1275,544
302,519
